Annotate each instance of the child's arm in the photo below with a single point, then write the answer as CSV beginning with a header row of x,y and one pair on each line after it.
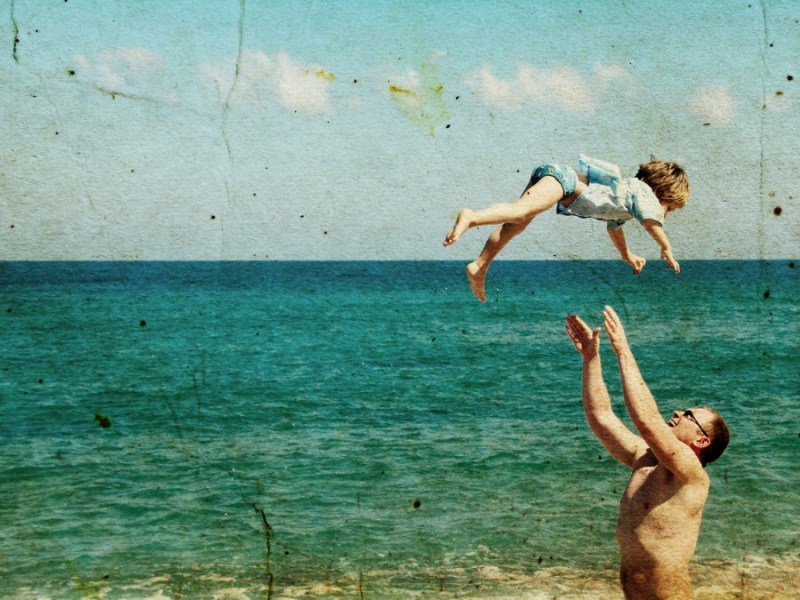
x,y
657,233
618,239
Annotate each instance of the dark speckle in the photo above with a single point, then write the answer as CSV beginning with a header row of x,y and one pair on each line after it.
x,y
102,420
213,217
789,78
417,503
142,323
777,211
71,72
766,295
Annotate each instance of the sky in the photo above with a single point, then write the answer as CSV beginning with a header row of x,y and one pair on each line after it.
x,y
346,130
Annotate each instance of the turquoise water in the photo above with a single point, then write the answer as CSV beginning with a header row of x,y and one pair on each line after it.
x,y
370,430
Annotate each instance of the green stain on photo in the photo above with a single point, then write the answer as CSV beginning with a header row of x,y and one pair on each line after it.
x,y
423,105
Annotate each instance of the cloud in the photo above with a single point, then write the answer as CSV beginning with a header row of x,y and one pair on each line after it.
x,y
714,105
608,73
260,78
559,86
122,70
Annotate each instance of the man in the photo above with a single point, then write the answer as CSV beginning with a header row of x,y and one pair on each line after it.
x,y
662,506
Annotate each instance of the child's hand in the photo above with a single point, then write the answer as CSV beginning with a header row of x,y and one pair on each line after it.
x,y
637,262
586,340
671,262
615,331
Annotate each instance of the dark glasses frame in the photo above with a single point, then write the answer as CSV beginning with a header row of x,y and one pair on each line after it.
x,y
690,415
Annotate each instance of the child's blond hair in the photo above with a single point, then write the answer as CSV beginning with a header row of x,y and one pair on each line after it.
x,y
668,181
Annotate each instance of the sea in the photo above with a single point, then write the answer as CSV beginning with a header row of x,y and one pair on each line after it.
x,y
370,430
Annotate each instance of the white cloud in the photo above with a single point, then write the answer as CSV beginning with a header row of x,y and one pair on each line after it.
x,y
611,72
714,105
494,91
122,70
295,85
559,86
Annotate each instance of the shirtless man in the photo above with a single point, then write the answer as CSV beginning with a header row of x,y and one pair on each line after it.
x,y
662,506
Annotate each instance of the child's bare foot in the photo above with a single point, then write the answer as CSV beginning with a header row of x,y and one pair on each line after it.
x,y
461,225
477,281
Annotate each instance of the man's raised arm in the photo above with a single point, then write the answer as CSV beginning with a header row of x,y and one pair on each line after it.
x,y
620,442
671,452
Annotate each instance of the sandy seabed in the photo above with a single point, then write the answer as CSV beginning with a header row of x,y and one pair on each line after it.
x,y
755,578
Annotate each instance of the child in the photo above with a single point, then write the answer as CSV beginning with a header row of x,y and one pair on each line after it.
x,y
597,192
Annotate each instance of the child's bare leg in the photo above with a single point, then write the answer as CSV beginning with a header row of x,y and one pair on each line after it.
x,y
476,270
537,198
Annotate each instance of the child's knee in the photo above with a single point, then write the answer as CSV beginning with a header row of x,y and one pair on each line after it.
x,y
516,227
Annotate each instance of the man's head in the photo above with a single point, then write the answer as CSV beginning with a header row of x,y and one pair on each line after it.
x,y
704,430
668,181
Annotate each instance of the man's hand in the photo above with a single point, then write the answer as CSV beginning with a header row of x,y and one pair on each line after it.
x,y
586,340
615,331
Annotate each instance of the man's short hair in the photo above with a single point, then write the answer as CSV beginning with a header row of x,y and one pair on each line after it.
x,y
719,435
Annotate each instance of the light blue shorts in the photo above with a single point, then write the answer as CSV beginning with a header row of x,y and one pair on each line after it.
x,y
566,176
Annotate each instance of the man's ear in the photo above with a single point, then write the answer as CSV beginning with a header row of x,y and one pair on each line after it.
x,y
702,442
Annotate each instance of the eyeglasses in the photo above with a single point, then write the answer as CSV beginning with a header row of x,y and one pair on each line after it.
x,y
689,415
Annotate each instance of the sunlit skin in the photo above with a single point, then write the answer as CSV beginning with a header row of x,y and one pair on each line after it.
x,y
662,505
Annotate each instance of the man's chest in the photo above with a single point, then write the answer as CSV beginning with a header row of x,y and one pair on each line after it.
x,y
651,487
